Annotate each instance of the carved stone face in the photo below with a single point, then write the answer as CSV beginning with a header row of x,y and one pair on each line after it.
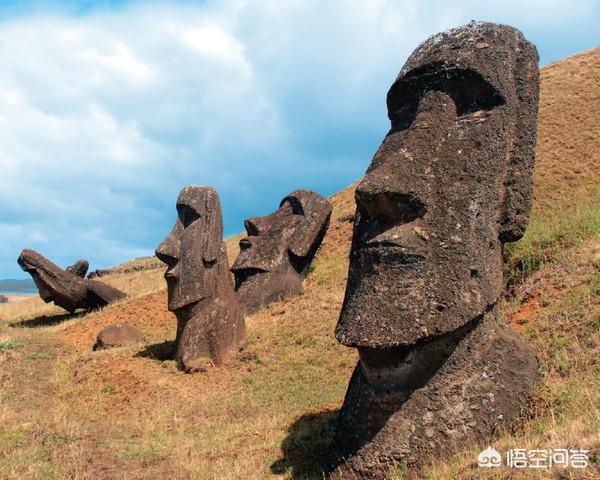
x,y
275,256
449,184
53,283
67,288
192,248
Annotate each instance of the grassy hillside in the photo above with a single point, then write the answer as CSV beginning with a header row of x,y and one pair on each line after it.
x,y
66,412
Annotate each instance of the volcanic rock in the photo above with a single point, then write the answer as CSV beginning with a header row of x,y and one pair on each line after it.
x,y
64,288
450,184
210,319
118,335
276,255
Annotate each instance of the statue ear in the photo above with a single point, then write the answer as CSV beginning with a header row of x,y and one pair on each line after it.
x,y
518,190
317,211
214,228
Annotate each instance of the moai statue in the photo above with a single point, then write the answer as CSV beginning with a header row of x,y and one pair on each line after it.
x,y
67,288
275,257
79,268
450,184
210,320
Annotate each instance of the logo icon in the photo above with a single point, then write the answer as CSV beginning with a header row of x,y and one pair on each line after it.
x,y
489,458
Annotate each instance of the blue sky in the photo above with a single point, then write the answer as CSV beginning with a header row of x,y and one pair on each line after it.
x,y
107,109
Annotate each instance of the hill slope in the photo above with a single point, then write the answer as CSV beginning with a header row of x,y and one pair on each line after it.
x,y
128,413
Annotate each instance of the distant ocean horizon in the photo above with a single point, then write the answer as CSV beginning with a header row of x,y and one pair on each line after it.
x,y
17,287
21,292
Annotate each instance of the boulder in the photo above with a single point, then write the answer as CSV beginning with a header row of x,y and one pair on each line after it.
x,y
118,335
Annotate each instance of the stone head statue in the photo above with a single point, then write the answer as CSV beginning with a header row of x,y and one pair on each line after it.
x,y
275,256
79,268
449,185
210,322
193,247
67,288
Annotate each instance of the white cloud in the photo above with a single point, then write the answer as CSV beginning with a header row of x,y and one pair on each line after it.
x,y
104,117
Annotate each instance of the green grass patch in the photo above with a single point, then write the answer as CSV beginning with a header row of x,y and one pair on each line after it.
x,y
546,239
38,356
10,345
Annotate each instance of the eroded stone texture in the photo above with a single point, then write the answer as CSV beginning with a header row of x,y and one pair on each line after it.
x,y
275,257
79,268
65,288
449,185
210,320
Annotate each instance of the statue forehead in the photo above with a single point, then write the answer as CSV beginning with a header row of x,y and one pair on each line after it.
x,y
305,201
479,46
199,199
469,63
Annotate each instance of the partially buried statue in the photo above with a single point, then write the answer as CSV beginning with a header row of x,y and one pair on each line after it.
x,y
276,255
79,268
450,184
67,288
210,320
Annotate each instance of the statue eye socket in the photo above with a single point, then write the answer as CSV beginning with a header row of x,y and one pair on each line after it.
x,y
470,91
297,208
187,215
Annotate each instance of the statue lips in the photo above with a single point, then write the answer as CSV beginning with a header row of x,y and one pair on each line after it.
x,y
245,244
169,275
248,263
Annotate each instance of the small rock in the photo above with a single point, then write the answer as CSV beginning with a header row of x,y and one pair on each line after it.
x,y
117,336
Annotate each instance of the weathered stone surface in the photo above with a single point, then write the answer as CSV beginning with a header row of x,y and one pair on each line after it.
x,y
64,288
276,255
210,320
450,184
118,335
79,268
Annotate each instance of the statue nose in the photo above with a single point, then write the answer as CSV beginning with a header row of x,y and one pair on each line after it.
x,y
253,226
168,251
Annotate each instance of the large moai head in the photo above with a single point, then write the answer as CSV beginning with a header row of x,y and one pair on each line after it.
x,y
449,185
210,320
275,256
67,288
194,250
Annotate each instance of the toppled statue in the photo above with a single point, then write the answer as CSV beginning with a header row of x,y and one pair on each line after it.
x,y
275,257
79,268
67,288
450,184
210,320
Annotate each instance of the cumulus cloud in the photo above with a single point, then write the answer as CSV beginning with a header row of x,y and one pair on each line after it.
x,y
105,116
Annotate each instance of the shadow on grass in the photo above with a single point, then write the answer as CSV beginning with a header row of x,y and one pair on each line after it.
x,y
47,320
159,351
306,447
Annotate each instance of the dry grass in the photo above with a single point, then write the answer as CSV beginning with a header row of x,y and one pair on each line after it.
x,y
127,413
